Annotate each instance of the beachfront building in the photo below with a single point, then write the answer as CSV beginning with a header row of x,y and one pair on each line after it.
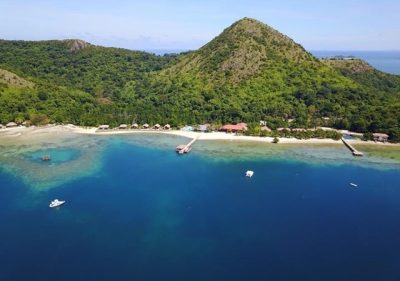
x,y
380,137
135,126
104,127
229,128
1,126
265,128
145,126
11,125
123,126
167,127
157,126
204,128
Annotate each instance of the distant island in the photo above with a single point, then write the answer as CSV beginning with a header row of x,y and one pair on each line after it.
x,y
249,73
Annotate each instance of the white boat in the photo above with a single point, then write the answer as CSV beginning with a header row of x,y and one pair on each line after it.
x,y
353,184
249,174
56,203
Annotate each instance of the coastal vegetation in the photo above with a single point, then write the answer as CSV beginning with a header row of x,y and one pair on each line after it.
x,y
250,72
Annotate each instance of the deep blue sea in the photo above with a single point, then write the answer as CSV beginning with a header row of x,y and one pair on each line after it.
x,y
150,214
387,61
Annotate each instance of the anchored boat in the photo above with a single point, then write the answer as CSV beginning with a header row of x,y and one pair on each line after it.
x,y
249,174
56,203
46,158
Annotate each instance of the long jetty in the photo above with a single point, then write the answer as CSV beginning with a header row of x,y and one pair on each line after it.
x,y
181,149
352,149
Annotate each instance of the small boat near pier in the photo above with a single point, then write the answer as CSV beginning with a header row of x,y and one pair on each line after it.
x,y
46,158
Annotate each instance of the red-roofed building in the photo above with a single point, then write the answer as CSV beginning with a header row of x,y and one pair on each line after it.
x,y
234,128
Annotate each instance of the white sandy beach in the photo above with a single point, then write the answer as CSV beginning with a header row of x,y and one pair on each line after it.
x,y
56,129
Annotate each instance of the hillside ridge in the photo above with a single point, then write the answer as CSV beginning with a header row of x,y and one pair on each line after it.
x,y
249,72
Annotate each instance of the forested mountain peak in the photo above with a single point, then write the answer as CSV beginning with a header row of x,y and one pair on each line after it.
x,y
242,51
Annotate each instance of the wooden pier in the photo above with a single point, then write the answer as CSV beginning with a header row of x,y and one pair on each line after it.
x,y
186,148
352,149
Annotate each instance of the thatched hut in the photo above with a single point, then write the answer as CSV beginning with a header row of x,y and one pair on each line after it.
x,y
135,126
11,125
204,127
123,126
104,127
145,126
266,129
157,126
167,127
380,137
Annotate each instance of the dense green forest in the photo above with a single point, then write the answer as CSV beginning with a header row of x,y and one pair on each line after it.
x,y
248,73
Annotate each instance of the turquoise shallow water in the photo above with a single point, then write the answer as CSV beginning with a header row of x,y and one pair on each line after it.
x,y
57,155
146,213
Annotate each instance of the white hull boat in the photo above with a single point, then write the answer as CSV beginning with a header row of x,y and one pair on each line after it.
x,y
56,203
249,174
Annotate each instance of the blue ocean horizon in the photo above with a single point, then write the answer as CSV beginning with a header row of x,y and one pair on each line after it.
x,y
150,214
386,61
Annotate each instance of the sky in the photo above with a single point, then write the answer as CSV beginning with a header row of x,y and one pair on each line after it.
x,y
189,24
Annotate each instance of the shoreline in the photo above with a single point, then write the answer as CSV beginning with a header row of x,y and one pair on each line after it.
x,y
27,131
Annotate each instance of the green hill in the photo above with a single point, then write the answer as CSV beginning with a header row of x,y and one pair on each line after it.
x,y
96,70
250,72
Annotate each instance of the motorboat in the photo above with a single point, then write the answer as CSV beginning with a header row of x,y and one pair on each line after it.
x,y
353,184
249,174
46,158
56,203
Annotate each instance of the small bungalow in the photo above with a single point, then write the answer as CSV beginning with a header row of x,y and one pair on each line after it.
x,y
104,127
135,126
234,128
283,129
167,127
157,126
123,126
1,126
204,127
145,126
380,137
11,125
266,129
